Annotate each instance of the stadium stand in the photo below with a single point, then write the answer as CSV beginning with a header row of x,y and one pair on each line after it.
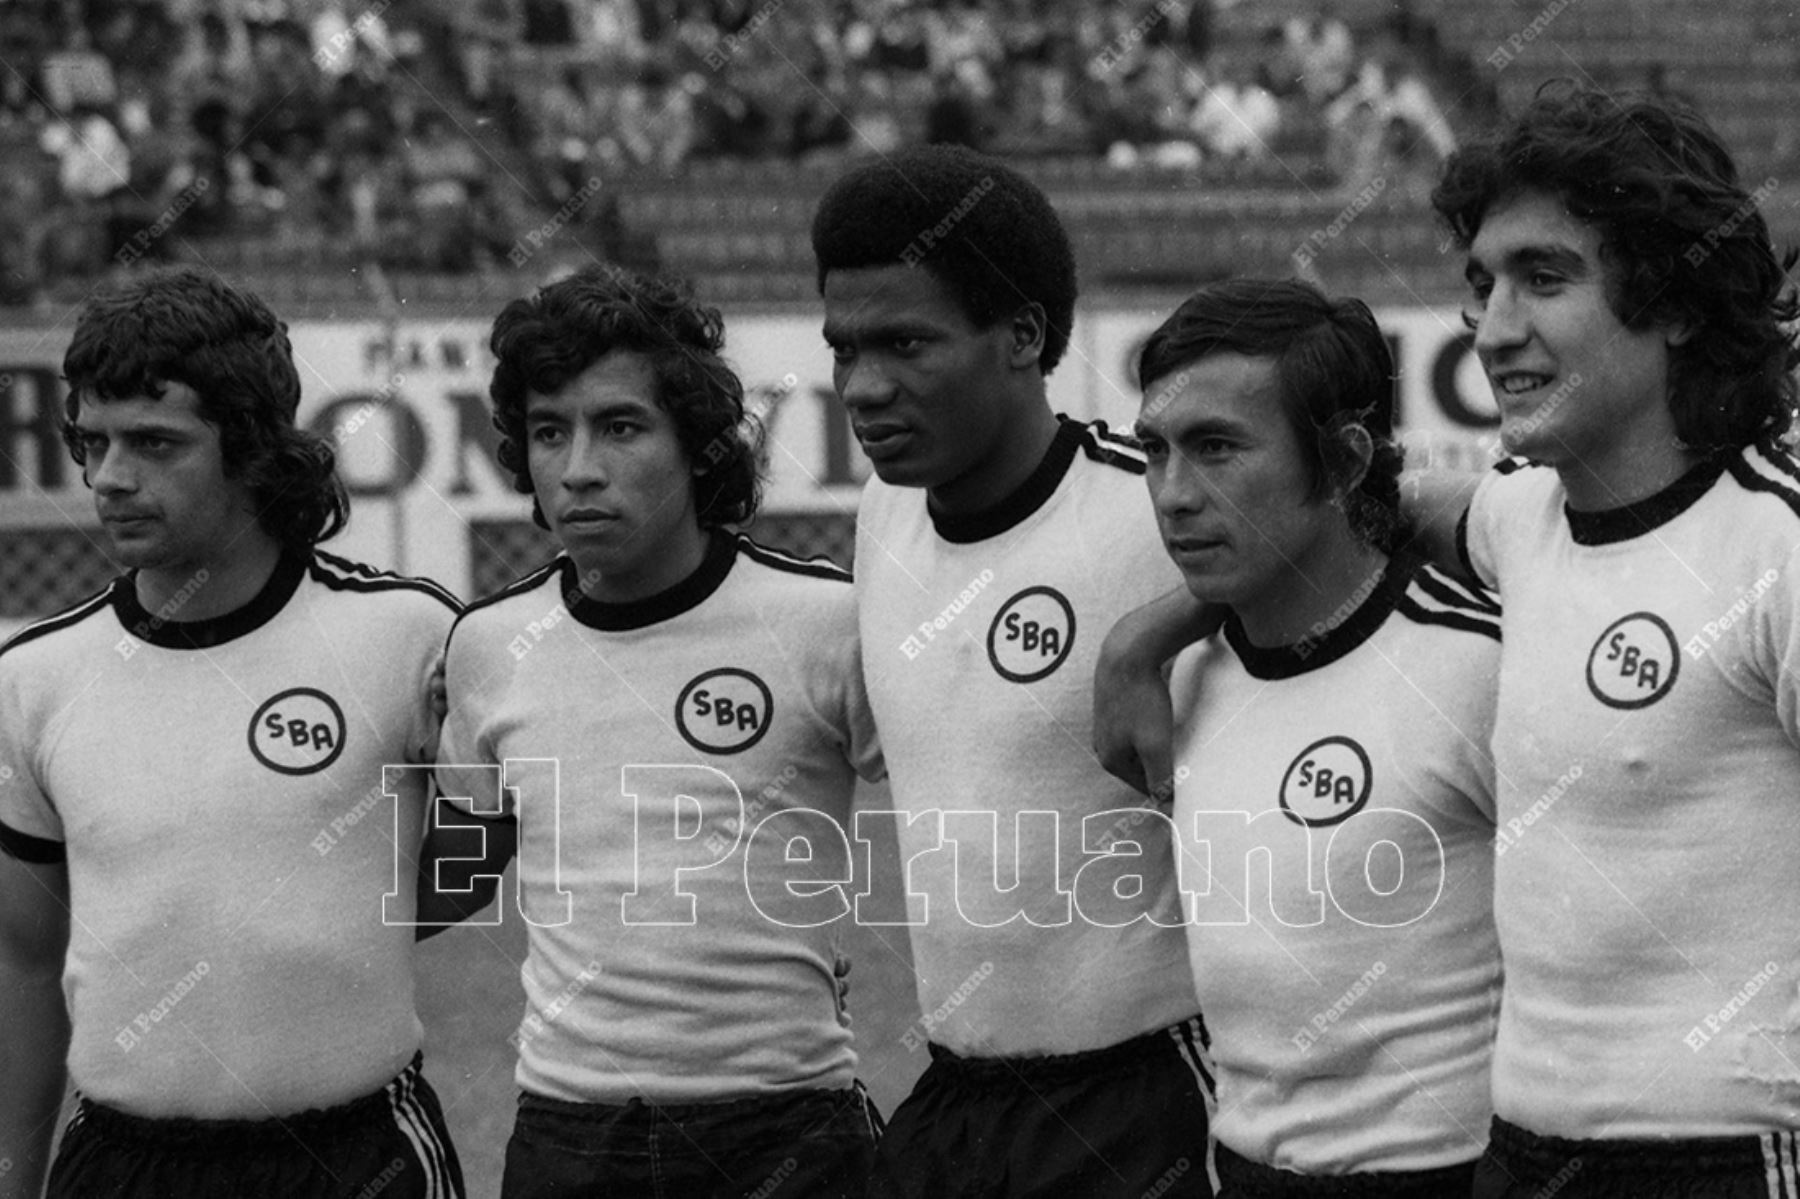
x,y
360,158
294,141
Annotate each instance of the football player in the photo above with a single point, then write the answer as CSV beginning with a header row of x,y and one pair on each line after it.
x,y
196,827
1338,724
677,715
995,543
1631,315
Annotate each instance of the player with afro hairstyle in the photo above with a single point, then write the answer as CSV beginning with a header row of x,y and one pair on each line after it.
x,y
1067,1055
982,229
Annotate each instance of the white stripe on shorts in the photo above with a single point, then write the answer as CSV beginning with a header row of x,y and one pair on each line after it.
x,y
1189,1047
415,1125
1780,1165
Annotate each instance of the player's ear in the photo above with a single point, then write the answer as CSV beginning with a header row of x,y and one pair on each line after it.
x,y
1351,450
1027,330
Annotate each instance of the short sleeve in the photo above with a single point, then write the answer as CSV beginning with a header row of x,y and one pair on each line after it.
x,y
1776,641
1479,684
1476,542
433,632
862,742
465,753
31,830
839,691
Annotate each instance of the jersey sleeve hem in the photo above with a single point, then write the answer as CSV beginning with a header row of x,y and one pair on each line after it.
x,y
1462,545
38,851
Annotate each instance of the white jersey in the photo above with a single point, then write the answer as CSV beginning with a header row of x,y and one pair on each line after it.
x,y
684,767
216,788
979,638
1648,737
1335,813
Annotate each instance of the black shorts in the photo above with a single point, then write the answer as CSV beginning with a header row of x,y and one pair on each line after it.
x,y
1241,1178
392,1143
1126,1122
799,1143
1520,1164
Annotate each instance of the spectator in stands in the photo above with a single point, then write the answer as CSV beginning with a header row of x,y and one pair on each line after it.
x,y
444,175
27,202
1237,118
1325,52
78,76
656,120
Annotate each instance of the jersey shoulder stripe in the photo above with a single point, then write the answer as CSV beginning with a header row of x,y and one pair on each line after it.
x,y
1507,466
1777,456
1104,446
1775,465
1446,590
1433,597
341,574
519,586
1463,619
100,601
1771,469
817,567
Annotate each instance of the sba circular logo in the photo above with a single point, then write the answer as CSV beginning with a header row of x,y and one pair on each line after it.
x,y
1031,635
1634,663
1327,783
299,731
724,711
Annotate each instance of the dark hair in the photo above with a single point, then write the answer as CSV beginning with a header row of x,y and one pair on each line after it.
x,y
542,342
1333,371
982,229
188,326
1683,243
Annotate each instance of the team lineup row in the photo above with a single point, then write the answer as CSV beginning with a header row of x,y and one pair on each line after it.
x,y
1549,717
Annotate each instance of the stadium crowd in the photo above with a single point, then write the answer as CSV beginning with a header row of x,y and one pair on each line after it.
x,y
357,123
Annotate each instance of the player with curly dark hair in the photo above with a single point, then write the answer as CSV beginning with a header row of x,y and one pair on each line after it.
x,y
1628,306
545,340
683,1030
190,927
188,327
995,540
1684,245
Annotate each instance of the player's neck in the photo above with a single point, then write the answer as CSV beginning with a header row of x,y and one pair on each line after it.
x,y
1016,453
615,582
1627,469
1317,593
226,581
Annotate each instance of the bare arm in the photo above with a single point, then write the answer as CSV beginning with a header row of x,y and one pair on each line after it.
x,y
34,1047
1133,723
460,865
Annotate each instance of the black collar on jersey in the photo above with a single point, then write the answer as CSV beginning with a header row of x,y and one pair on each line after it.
x,y
1025,499
171,632
1310,653
691,592
1634,520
